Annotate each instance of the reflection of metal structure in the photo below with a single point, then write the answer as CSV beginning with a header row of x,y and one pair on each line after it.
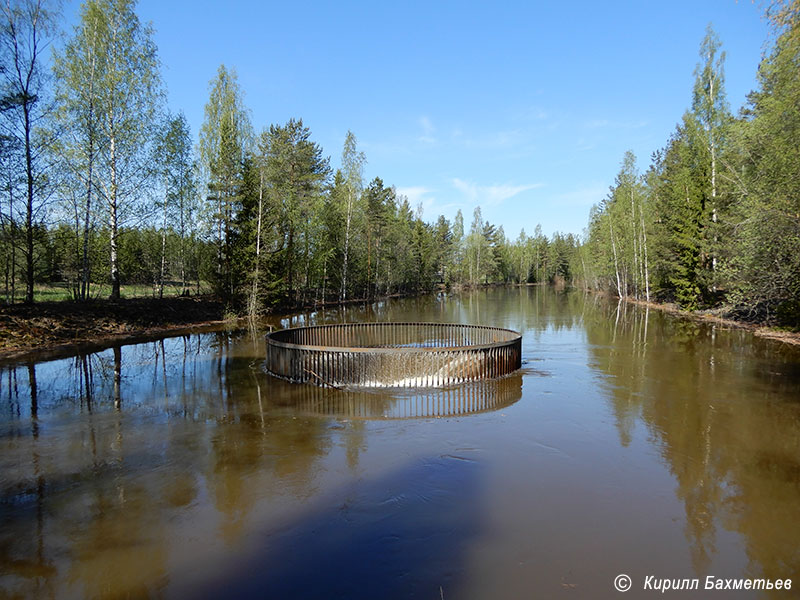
x,y
392,354
466,399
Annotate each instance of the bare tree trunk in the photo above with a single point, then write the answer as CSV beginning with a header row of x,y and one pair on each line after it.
x,y
113,219
163,250
369,257
219,233
85,268
182,250
28,207
229,195
635,249
8,300
712,148
13,238
324,278
347,244
253,305
646,268
85,273
616,263
307,269
196,261
290,264
377,265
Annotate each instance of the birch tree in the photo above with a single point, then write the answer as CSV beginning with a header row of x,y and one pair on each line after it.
x,y
710,108
123,64
767,269
176,165
26,28
78,71
353,163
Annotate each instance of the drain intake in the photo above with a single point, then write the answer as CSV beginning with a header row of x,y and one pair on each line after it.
x,y
392,354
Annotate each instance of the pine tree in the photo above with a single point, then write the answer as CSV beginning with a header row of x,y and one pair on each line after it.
x,y
682,214
296,174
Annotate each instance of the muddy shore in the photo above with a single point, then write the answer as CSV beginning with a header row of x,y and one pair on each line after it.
x,y
57,326
718,317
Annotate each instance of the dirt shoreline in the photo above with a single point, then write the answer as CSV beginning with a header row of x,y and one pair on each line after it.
x,y
47,330
58,327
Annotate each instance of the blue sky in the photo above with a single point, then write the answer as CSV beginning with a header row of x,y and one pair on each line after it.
x,y
522,108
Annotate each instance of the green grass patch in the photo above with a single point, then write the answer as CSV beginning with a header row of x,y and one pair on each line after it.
x,y
58,292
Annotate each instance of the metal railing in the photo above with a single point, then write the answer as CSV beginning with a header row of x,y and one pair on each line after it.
x,y
392,354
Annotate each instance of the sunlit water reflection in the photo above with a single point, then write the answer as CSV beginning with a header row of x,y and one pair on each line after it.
x,y
631,442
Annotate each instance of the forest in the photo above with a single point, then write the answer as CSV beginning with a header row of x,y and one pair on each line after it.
x,y
101,188
714,220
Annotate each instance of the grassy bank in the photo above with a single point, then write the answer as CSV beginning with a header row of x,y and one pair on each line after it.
x,y
62,291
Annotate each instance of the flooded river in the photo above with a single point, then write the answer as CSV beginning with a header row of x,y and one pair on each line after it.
x,y
631,442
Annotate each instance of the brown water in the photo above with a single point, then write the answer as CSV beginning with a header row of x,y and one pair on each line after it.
x,y
631,442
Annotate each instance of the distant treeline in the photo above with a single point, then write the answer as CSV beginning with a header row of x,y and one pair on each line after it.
x,y
100,184
715,219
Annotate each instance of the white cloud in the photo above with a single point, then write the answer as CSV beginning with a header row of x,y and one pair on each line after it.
x,y
491,194
428,131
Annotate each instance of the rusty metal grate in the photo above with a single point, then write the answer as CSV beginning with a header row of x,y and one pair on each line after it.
x,y
392,354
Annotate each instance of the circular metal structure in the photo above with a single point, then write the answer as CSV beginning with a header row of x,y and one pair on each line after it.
x,y
399,404
392,354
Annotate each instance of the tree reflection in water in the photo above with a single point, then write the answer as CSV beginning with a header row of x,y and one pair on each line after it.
x,y
729,434
109,455
160,467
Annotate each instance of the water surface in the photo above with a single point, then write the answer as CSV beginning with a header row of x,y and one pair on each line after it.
x,y
631,442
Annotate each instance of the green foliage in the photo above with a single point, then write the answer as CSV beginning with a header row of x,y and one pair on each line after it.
x,y
714,219
295,176
259,219
680,199
720,204
618,233
109,90
766,272
225,138
26,26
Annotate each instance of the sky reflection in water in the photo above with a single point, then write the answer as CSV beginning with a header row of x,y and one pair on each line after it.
x,y
630,442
